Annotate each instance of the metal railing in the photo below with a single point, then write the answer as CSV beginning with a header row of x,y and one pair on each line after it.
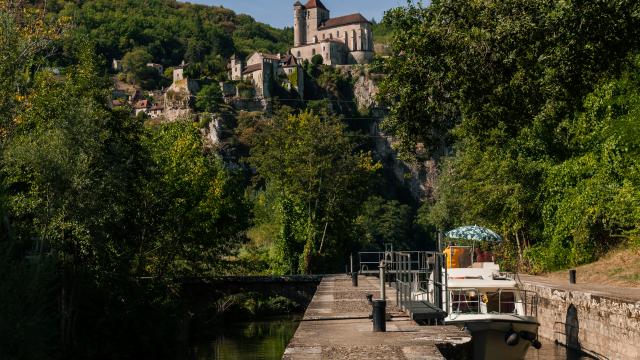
x,y
427,283
422,276
396,261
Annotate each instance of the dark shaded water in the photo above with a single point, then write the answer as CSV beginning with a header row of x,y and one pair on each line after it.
x,y
267,340
552,351
263,340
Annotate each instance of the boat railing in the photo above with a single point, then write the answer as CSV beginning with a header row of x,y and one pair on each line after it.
x,y
502,301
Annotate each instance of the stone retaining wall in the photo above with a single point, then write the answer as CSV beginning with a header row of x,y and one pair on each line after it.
x,y
606,328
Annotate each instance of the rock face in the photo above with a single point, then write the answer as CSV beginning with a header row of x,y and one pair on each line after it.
x,y
212,131
365,91
417,176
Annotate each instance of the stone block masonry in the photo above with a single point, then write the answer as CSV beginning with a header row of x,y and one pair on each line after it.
x,y
601,322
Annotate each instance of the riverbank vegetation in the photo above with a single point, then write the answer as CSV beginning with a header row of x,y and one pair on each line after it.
x,y
532,109
103,214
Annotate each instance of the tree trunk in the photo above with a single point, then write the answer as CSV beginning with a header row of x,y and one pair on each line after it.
x,y
519,250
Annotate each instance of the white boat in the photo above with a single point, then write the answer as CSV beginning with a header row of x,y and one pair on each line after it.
x,y
490,304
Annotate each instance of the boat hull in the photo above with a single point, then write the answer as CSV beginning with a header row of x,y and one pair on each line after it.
x,y
489,338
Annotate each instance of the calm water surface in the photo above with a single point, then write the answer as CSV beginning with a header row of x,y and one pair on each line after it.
x,y
267,340
263,340
551,351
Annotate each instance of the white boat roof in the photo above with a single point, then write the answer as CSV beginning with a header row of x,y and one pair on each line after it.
x,y
485,277
481,284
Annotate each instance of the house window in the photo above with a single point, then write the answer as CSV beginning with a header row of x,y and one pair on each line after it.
x,y
298,53
313,51
338,33
323,36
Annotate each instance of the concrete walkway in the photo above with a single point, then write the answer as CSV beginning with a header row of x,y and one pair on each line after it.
x,y
336,325
606,291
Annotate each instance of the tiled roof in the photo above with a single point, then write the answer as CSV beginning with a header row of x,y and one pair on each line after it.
x,y
142,104
311,4
289,61
270,56
344,20
252,68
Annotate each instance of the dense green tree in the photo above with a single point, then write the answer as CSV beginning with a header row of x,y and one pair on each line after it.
x,y
311,164
134,65
383,222
209,98
500,68
496,85
194,209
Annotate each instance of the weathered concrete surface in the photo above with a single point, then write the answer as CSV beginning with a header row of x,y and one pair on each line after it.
x,y
602,321
336,326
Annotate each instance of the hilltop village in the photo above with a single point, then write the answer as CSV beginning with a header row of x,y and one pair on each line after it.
x,y
250,82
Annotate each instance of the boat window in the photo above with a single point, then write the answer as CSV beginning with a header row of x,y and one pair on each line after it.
x,y
464,301
500,302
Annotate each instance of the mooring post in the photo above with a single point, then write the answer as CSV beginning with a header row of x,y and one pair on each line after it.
x,y
383,294
572,276
351,258
379,316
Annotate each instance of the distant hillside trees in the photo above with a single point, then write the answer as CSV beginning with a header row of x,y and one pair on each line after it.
x,y
170,31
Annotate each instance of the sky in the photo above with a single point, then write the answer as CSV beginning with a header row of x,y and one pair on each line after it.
x,y
279,13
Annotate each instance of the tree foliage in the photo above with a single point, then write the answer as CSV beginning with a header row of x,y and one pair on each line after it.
x,y
502,86
312,166
170,31
209,98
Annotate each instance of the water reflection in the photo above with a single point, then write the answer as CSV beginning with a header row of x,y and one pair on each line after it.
x,y
552,351
263,340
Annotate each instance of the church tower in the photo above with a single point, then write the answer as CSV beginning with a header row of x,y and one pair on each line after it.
x,y
299,24
317,14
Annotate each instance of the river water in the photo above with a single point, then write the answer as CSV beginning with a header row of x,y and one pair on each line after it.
x,y
552,351
267,340
256,340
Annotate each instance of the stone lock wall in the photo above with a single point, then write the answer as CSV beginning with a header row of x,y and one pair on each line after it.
x,y
606,328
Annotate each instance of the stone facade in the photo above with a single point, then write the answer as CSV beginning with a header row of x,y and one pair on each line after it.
x,y
265,71
179,97
262,70
342,40
600,326
235,68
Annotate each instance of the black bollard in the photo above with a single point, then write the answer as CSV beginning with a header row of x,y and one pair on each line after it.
x,y
379,316
572,276
354,279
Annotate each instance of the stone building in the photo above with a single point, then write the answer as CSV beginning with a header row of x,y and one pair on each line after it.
x,y
179,97
262,70
265,71
342,40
